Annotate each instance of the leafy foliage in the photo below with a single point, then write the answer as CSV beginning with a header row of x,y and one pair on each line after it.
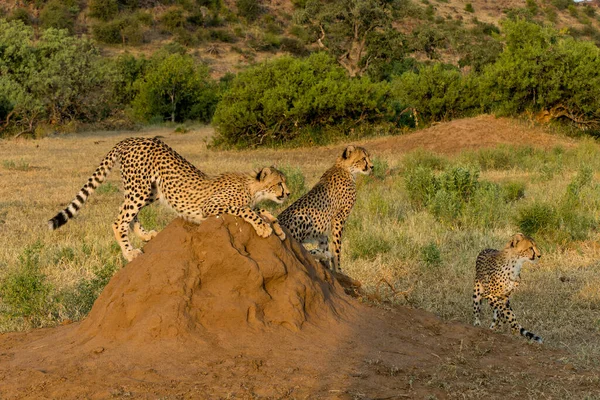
x,y
175,88
24,291
57,78
273,101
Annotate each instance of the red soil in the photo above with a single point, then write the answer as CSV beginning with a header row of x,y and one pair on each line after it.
x,y
214,311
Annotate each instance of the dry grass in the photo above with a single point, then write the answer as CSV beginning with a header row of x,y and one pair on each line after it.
x,y
388,241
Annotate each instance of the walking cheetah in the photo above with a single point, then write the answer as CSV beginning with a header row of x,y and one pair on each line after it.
x,y
152,171
325,208
498,275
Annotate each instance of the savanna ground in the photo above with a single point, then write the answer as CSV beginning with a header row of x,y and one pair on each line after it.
x,y
436,198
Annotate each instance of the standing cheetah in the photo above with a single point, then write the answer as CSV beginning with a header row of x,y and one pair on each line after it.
x,y
152,171
498,275
325,208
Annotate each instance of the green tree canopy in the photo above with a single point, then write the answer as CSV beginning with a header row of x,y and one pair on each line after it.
x,y
175,88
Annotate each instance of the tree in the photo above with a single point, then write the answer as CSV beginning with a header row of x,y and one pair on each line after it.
x,y
56,79
175,88
274,101
345,26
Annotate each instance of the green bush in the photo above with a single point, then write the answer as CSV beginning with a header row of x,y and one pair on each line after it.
x,y
104,10
431,255
537,217
278,101
20,14
435,92
249,9
57,78
24,291
540,69
469,8
562,4
172,19
59,14
513,191
78,301
421,185
175,88
109,32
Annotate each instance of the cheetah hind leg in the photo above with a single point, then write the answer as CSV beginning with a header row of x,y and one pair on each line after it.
x,y
267,216
477,292
139,230
121,228
510,318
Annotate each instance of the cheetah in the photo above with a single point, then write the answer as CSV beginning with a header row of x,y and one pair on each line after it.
x,y
498,275
152,171
325,208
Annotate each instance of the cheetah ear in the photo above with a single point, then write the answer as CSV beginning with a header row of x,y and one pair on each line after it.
x,y
516,239
263,173
348,151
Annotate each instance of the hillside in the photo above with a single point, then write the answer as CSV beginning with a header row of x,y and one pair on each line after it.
x,y
230,35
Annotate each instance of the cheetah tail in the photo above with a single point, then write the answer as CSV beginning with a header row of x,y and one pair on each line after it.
x,y
92,184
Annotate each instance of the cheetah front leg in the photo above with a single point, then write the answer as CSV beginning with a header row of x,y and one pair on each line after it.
x,y
337,228
322,253
267,216
262,228
510,318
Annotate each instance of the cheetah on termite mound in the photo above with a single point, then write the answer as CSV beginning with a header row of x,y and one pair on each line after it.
x,y
152,171
498,275
325,208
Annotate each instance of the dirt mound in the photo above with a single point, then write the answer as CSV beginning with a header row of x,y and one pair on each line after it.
x,y
469,134
213,311
215,277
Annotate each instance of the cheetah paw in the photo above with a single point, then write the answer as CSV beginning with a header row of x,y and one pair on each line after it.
x,y
263,230
149,236
278,231
132,254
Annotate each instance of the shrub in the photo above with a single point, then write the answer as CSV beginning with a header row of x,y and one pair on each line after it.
x,y
562,4
537,217
25,291
172,19
58,14
57,78
469,8
279,100
431,255
421,185
249,9
539,69
513,191
436,92
20,14
104,10
175,88
79,301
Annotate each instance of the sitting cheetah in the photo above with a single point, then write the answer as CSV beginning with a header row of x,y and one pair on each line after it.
x,y
152,171
498,275
325,208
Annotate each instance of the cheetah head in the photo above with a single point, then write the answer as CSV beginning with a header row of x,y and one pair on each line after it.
x,y
524,247
270,185
356,160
